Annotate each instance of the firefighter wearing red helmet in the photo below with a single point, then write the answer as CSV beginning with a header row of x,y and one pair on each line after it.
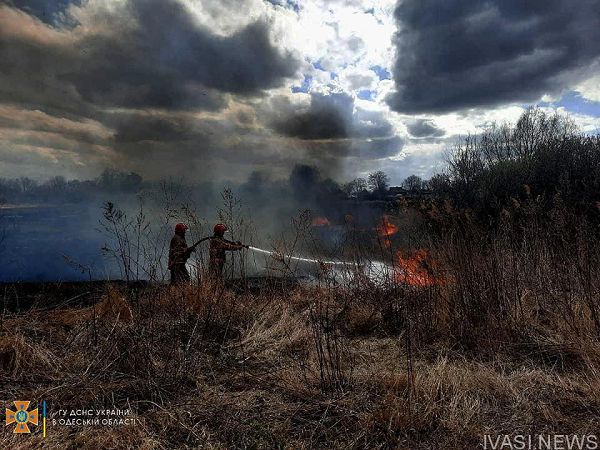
x,y
179,253
218,246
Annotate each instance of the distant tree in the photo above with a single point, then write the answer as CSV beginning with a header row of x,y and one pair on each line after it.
x,y
356,187
507,144
378,182
413,183
106,179
329,187
361,184
439,184
27,185
113,180
57,184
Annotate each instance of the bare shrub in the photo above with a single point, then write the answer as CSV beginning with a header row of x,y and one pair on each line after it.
x,y
333,353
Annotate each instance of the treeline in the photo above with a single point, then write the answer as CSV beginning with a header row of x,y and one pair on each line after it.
x,y
542,158
60,190
305,184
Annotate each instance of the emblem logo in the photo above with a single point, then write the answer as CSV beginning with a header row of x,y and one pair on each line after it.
x,y
21,417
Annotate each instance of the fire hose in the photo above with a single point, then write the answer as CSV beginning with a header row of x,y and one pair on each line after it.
x,y
281,257
375,270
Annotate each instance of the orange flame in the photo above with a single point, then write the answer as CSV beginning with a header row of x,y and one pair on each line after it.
x,y
385,229
320,221
417,269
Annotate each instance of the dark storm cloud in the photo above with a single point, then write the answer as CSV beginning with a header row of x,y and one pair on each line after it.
x,y
167,142
332,127
157,56
465,53
421,128
329,116
33,59
143,85
368,149
142,127
371,124
36,122
168,60
137,84
314,125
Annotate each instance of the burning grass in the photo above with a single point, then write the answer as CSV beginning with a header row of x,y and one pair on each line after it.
x,y
417,269
320,221
385,230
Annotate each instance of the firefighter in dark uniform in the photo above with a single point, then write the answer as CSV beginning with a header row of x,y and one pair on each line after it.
x,y
218,246
179,253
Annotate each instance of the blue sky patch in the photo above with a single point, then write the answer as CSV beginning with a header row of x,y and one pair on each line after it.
x,y
319,66
382,72
573,102
305,86
366,94
290,4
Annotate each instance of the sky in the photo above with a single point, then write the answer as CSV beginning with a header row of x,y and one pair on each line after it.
x,y
214,90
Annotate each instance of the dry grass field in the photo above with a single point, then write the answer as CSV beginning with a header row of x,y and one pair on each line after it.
x,y
507,343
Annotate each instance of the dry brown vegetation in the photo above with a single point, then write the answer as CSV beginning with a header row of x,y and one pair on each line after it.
x,y
509,344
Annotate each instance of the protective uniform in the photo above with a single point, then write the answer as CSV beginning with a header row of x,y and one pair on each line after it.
x,y
218,246
179,253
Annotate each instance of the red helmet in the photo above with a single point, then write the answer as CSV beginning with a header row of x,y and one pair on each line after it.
x,y
180,228
220,229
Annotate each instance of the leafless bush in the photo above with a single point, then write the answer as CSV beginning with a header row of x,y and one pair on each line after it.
x,y
333,353
128,237
231,213
137,240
